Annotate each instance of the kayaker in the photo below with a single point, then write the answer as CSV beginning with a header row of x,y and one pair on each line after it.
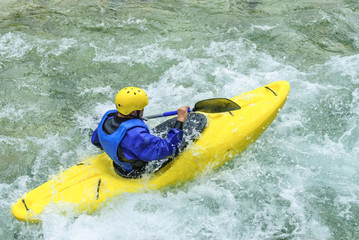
x,y
127,140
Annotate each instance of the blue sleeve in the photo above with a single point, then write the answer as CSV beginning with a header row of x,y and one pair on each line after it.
x,y
95,140
138,143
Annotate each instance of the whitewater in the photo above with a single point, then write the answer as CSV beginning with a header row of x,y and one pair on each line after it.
x,y
62,62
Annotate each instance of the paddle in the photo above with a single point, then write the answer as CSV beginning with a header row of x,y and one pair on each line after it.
x,y
212,105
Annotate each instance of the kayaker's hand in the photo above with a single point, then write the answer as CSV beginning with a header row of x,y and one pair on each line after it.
x,y
182,113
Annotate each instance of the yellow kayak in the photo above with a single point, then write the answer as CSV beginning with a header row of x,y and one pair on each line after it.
x,y
89,184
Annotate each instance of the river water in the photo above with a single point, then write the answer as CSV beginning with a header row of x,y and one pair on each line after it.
x,y
62,62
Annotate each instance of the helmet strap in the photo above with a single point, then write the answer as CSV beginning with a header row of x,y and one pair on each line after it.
x,y
136,114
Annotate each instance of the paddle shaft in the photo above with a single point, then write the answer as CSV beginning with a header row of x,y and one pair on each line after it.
x,y
166,114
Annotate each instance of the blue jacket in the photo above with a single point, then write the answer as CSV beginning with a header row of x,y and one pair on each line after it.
x,y
136,142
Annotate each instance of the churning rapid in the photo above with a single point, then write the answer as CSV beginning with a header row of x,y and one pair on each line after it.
x,y
62,62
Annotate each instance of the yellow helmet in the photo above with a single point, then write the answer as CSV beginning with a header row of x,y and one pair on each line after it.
x,y
130,99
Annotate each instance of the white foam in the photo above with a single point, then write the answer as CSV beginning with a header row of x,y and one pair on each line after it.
x,y
132,21
17,45
13,45
148,54
97,90
264,27
345,66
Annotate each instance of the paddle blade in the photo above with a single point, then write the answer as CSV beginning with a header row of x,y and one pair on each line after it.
x,y
216,105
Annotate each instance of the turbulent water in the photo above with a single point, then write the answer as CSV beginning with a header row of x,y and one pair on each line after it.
x,y
62,62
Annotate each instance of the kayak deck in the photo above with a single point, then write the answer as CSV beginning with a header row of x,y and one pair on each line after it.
x,y
87,185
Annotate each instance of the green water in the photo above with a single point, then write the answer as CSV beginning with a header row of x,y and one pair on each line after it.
x,y
62,62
